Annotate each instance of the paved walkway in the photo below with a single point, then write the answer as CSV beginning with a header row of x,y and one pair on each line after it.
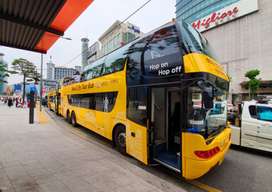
x,y
48,158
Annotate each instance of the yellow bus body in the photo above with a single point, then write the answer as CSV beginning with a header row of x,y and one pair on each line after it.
x,y
98,121
193,166
103,123
51,100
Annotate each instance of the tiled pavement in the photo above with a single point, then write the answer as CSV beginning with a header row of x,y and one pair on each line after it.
x,y
46,158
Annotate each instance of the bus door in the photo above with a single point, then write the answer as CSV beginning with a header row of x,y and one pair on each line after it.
x,y
165,121
136,128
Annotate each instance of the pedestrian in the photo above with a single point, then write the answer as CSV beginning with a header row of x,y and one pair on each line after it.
x,y
10,102
76,77
16,102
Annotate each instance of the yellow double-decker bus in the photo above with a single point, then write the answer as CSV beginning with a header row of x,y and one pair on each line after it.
x,y
161,98
51,97
53,101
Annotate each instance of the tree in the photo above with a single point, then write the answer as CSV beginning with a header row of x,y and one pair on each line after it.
x,y
253,84
3,72
27,69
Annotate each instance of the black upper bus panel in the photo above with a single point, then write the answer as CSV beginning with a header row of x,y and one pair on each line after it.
x,y
156,58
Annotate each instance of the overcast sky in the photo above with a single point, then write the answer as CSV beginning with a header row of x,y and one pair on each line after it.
x,y
92,23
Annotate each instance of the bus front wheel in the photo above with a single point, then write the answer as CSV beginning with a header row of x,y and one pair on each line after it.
x,y
120,138
73,119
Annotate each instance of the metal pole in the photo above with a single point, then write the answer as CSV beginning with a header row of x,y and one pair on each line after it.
x,y
41,81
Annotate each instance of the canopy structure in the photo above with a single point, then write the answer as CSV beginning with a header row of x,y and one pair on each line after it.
x,y
36,25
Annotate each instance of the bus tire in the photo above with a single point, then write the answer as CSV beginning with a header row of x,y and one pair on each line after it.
x,y
120,138
73,119
68,116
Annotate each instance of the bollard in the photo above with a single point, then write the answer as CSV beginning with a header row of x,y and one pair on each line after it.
x,y
31,107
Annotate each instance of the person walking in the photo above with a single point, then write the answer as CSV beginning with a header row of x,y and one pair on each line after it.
x,y
16,102
10,102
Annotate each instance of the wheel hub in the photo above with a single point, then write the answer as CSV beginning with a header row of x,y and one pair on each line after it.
x,y
122,139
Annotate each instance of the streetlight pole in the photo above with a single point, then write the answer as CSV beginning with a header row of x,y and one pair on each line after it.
x,y
41,81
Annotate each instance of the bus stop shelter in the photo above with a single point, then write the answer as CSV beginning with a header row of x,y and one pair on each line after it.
x,y
35,25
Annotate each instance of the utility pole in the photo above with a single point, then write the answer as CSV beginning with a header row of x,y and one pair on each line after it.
x,y
41,81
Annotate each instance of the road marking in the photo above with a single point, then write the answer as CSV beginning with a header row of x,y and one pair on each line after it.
x,y
42,116
203,186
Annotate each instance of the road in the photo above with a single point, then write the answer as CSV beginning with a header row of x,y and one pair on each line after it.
x,y
54,156
241,170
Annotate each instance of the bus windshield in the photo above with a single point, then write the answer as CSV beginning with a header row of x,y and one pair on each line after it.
x,y
193,41
207,109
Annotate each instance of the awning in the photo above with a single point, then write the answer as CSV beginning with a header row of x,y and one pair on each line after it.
x,y
36,25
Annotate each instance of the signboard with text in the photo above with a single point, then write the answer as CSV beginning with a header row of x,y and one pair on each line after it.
x,y
231,12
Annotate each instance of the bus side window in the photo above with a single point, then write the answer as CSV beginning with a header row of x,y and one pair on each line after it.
x,y
134,67
114,62
137,105
92,101
109,101
99,101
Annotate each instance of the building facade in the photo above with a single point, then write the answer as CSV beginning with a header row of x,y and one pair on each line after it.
x,y
57,73
118,35
61,72
50,70
84,51
240,33
94,51
78,68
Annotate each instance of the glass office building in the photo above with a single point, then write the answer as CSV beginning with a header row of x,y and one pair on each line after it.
x,y
240,33
192,10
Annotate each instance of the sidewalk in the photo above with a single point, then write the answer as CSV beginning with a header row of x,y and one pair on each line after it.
x,y
48,158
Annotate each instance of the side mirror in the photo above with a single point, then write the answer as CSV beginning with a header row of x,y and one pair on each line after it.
x,y
208,100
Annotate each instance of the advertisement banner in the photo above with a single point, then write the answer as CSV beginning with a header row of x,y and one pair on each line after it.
x,y
231,12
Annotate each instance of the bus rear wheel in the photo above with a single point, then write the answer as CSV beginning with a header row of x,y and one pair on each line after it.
x,y
73,119
120,138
